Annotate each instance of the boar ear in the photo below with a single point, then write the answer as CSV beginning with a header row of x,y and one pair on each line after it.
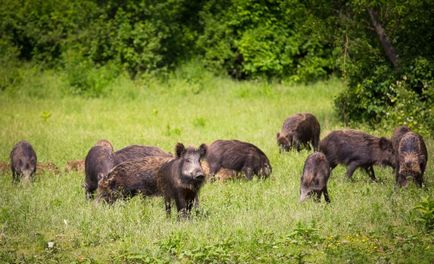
x,y
179,150
385,143
202,150
278,135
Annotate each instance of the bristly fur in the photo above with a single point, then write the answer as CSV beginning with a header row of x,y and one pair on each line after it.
x,y
298,131
411,156
357,149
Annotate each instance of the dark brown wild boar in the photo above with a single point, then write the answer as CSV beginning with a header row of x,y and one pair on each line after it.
x,y
138,152
298,131
74,165
237,156
99,161
316,173
181,178
412,157
356,149
132,178
23,161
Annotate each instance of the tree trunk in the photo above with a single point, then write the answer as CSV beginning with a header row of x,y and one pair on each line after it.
x,y
385,42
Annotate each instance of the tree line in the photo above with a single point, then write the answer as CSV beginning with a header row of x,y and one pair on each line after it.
x,y
383,49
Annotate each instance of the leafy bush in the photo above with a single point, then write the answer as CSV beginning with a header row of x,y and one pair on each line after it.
x,y
425,212
379,93
274,39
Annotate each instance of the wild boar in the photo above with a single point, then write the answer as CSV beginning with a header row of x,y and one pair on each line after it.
x,y
356,149
298,131
23,161
412,157
181,178
316,173
99,161
238,156
131,178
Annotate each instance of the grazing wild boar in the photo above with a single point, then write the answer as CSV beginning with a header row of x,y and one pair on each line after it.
x,y
23,161
131,178
137,152
99,161
315,175
74,165
237,156
412,157
298,131
181,178
356,149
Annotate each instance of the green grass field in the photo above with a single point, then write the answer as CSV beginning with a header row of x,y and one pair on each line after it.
x,y
239,221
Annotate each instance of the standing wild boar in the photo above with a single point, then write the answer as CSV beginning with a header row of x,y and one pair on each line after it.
x,y
237,156
181,178
137,152
315,175
412,157
356,149
99,161
131,178
297,131
23,161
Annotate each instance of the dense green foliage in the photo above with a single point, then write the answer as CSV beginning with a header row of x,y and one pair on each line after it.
x,y
377,91
93,42
240,221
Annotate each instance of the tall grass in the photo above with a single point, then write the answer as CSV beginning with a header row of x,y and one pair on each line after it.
x,y
239,221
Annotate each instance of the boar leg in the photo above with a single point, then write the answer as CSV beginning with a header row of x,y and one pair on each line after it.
x,y
370,171
167,205
213,169
14,176
351,168
315,143
181,205
418,180
196,202
326,195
